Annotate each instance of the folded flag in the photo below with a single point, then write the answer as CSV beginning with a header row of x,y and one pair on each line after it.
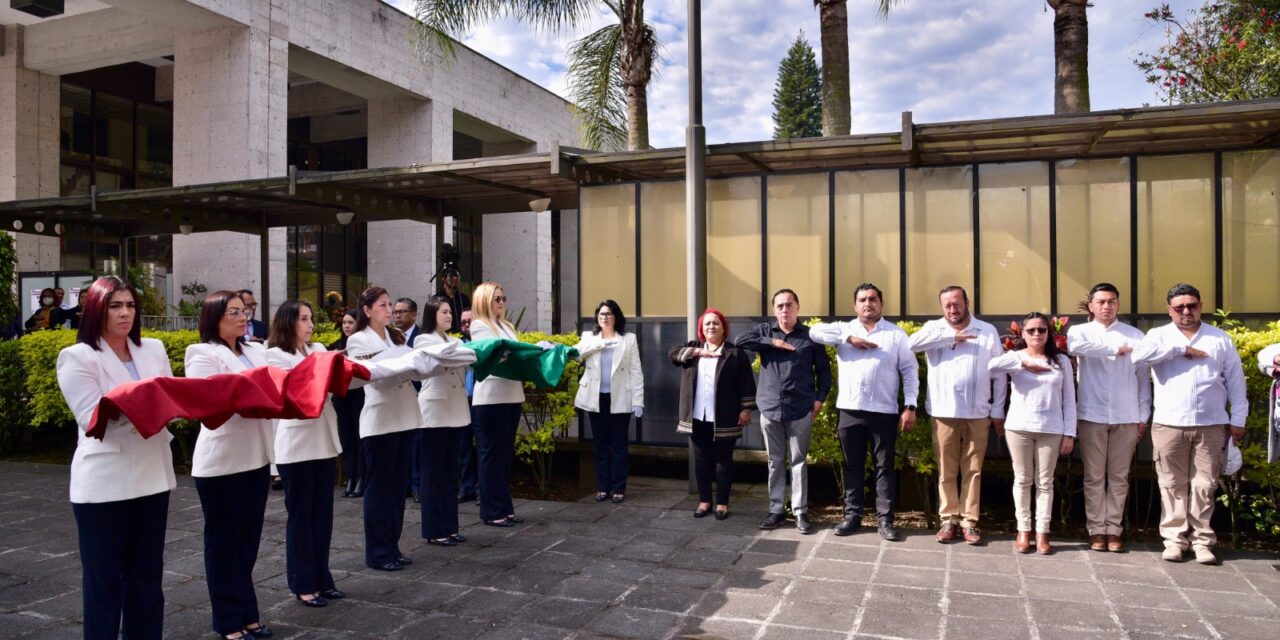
x,y
521,361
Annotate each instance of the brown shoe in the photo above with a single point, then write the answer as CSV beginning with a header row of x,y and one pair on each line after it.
x,y
1042,544
972,535
1022,544
1114,544
947,533
1098,542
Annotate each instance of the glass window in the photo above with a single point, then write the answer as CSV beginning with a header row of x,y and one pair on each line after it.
x,y
733,246
662,249
1175,228
867,238
607,219
798,239
155,140
939,234
1013,227
75,127
1093,229
1251,225
75,180
113,131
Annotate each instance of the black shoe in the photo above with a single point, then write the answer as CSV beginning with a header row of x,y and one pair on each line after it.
x,y
333,594
389,566
848,526
260,631
500,523
277,483
405,560
888,531
417,499
701,513
350,488
722,515
802,523
458,537
443,542
467,497
618,498
315,602
601,496
359,490
772,521
514,519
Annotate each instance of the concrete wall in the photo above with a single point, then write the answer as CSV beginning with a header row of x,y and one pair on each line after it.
x,y
29,153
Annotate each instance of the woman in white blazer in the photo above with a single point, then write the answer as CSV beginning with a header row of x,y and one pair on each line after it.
x,y
119,485
445,415
230,466
610,391
497,403
387,423
305,452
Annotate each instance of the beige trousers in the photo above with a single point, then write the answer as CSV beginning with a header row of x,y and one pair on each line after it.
x,y
960,445
1107,451
1188,463
1035,455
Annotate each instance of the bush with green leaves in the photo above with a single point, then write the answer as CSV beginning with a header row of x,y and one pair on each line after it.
x,y
548,413
14,401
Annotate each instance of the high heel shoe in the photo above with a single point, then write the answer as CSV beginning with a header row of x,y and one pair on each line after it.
x,y
443,542
260,631
333,594
315,602
458,537
359,490
351,488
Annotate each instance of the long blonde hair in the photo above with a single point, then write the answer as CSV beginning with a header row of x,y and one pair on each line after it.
x,y
482,307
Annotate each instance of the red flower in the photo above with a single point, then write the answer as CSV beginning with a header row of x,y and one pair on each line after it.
x,y
1242,44
1182,81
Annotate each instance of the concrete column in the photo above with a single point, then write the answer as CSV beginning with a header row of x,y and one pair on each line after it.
x,y
29,153
230,122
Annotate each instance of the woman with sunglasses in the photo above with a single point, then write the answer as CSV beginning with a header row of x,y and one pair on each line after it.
x,y
1040,426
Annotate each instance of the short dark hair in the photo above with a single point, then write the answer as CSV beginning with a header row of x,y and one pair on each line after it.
x,y
619,320
366,299
1103,286
1182,289
779,292
215,305
283,334
955,287
242,292
429,310
96,302
413,306
867,286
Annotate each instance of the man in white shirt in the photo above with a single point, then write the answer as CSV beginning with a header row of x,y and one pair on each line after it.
x,y
1198,378
964,400
1269,364
1113,404
872,354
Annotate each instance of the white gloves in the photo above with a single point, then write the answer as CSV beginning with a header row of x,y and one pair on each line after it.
x,y
638,411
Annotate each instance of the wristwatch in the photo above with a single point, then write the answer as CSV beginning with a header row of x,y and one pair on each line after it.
x,y
910,407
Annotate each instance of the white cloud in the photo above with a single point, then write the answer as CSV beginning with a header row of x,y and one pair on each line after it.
x,y
943,60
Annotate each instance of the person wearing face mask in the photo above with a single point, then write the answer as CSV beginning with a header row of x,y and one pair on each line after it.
x,y
49,315
348,410
611,391
717,396
120,484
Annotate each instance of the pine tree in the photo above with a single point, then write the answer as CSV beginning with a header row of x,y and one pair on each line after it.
x,y
797,94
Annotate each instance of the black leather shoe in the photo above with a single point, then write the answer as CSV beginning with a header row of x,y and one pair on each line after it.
x,y
405,560
260,631
802,523
277,483
888,531
514,519
389,566
333,594
500,523
701,513
722,515
315,602
601,496
443,542
848,526
351,488
359,490
467,497
417,499
458,537
773,521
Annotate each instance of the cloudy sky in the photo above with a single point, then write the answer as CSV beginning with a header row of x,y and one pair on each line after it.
x,y
943,60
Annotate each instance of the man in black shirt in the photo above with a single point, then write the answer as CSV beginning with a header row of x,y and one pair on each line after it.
x,y
795,377
449,290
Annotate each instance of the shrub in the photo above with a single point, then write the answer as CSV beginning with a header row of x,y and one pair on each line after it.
x,y
547,412
13,395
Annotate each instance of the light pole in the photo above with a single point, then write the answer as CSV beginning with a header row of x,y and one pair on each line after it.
x,y
695,171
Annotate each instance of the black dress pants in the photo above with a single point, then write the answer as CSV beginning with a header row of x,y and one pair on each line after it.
x,y
495,427
122,562
438,451
385,479
712,456
348,410
856,429
469,480
308,497
233,507
610,439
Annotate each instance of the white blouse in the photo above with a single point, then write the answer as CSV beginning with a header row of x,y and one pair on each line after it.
x,y
1039,402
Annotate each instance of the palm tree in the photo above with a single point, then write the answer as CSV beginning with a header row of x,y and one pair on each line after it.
x,y
609,70
833,16
1071,56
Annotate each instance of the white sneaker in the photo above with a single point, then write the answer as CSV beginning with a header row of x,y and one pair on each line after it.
x,y
1204,555
1172,554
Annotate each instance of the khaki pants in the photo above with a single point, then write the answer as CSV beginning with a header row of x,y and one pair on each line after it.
x,y
1107,451
960,445
1034,456
1188,463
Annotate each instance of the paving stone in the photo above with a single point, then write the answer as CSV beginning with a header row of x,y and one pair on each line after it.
x,y
831,592
929,578
1081,615
645,551
662,597
989,562
1242,626
900,623
1134,595
1133,574
625,622
1178,622
524,580
821,615
707,629
987,629
522,631
786,548
848,552
1225,604
987,607
921,600
1071,633
931,558
1054,567
735,605
837,570
782,632
684,577
971,582
1063,590
559,612
770,584
442,626
590,588
485,604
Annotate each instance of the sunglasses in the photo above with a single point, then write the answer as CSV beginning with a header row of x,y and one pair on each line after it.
x,y
499,298
1183,308
1036,330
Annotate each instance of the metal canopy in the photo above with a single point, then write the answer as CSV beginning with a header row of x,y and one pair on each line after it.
x,y
508,183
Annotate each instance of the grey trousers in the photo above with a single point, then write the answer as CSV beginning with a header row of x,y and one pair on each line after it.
x,y
779,437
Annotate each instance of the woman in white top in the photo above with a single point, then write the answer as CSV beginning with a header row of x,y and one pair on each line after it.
x,y
497,404
1041,423
305,450
387,422
120,484
445,414
610,391
230,466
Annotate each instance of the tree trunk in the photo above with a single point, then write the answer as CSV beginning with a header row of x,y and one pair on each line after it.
x,y
637,56
1071,56
637,117
833,16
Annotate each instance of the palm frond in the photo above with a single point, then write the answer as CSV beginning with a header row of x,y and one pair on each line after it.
x,y
883,6
596,87
440,21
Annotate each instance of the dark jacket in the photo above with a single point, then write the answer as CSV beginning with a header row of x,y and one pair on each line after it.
x,y
735,386
259,328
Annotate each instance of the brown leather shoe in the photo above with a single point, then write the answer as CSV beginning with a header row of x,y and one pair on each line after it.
x,y
1098,542
972,535
1042,544
1115,544
1022,543
947,533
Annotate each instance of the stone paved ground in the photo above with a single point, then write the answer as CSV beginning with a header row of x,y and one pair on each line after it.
x,y
647,570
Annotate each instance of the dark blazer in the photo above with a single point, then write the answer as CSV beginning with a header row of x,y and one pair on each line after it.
x,y
735,386
259,329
